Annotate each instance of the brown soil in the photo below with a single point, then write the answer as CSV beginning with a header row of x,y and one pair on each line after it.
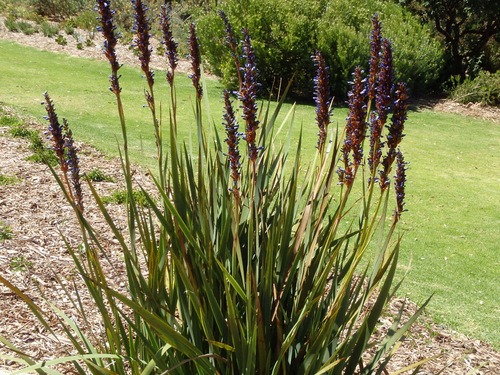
x,y
37,214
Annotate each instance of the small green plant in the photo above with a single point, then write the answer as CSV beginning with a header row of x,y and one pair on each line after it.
x,y
9,120
49,30
68,29
122,197
79,46
98,175
8,180
89,43
20,264
61,40
22,132
5,232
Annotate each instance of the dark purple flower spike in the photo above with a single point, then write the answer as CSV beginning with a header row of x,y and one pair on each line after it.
x,y
395,132
168,41
72,162
383,100
55,132
142,29
231,41
322,98
194,55
248,96
355,128
108,30
232,140
375,48
399,183
64,147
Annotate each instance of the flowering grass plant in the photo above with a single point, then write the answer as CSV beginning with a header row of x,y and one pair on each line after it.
x,y
239,267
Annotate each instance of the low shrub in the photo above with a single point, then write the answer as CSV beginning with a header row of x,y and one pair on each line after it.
x,y
249,262
49,30
484,89
59,9
11,24
26,28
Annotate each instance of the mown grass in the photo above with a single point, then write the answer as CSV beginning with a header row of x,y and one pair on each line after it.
x,y
451,229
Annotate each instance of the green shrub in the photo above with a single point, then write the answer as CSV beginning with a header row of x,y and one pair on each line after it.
x,y
418,58
41,154
59,8
285,34
11,24
86,20
49,30
484,89
26,28
20,264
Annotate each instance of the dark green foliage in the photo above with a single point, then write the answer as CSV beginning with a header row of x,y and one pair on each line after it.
x,y
286,34
485,89
59,8
61,40
467,27
85,20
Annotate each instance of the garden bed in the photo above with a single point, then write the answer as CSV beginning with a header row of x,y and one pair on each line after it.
x,y
35,211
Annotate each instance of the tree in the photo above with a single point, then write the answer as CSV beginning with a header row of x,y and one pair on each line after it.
x,y
466,26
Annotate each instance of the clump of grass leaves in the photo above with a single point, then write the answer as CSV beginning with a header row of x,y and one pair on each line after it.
x,y
241,267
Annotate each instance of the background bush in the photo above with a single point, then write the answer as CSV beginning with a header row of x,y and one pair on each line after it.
x,y
484,89
285,34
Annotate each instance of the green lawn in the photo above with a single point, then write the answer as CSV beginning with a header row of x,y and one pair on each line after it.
x,y
451,231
